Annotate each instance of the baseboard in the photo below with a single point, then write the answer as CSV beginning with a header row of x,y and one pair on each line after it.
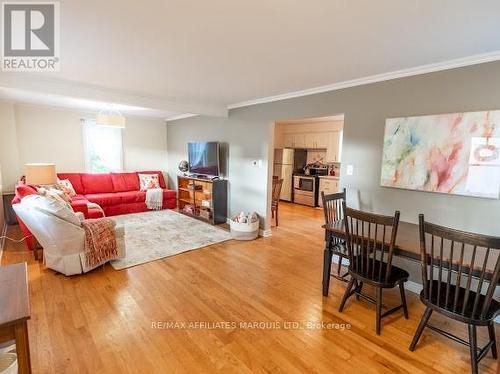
x,y
3,232
265,233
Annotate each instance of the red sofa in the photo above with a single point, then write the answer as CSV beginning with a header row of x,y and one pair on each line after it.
x,y
115,193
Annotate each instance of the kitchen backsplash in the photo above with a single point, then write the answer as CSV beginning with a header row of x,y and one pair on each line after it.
x,y
313,156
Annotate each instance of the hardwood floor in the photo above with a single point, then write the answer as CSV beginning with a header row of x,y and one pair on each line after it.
x,y
102,322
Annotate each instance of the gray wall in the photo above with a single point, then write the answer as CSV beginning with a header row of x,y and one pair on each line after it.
x,y
246,140
248,132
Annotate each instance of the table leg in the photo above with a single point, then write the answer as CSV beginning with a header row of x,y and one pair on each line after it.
x,y
22,347
327,269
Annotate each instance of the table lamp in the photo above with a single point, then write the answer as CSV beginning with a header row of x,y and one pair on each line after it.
x,y
41,174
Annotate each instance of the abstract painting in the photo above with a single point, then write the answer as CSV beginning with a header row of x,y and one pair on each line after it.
x,y
456,153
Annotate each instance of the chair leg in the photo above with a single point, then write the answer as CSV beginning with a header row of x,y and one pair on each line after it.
x,y
359,289
473,348
276,216
421,326
403,299
379,310
491,331
347,293
327,270
339,265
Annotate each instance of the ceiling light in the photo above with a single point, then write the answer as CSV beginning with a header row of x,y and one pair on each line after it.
x,y
111,118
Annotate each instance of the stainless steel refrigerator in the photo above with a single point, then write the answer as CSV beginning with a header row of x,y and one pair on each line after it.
x,y
288,161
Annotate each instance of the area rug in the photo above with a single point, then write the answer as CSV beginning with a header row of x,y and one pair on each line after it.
x,y
150,236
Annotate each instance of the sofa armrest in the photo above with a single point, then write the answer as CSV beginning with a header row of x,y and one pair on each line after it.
x,y
80,206
80,216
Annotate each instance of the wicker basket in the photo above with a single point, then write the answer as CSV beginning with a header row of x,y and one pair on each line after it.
x,y
244,231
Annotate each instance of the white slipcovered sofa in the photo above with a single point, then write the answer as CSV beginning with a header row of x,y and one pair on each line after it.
x,y
58,229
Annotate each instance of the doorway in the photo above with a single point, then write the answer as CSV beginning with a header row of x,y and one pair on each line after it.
x,y
306,160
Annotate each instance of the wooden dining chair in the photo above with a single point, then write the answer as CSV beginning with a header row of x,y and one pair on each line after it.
x,y
370,240
277,183
460,271
334,214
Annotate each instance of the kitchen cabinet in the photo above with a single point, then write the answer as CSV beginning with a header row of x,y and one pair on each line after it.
x,y
299,140
295,140
332,150
288,141
328,186
315,140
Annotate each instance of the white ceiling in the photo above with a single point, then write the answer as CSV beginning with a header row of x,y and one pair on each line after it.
x,y
185,56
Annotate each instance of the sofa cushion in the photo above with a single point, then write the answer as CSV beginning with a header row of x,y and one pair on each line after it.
x,y
78,197
169,195
160,176
123,182
97,183
105,199
80,206
75,179
130,197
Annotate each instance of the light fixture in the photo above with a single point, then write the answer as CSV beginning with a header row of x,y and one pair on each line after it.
x,y
111,118
40,174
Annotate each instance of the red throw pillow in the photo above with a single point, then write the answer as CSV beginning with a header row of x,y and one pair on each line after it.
x,y
23,190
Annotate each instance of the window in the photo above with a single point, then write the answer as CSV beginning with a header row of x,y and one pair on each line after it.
x,y
103,148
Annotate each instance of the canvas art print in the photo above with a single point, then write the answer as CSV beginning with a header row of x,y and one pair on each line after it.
x,y
455,153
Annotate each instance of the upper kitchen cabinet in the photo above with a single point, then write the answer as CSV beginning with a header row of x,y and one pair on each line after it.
x,y
296,140
333,150
321,134
299,140
288,140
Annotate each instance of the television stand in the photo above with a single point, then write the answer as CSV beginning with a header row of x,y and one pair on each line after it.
x,y
204,176
199,176
202,198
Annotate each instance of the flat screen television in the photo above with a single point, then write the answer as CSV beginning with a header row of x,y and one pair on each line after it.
x,y
204,158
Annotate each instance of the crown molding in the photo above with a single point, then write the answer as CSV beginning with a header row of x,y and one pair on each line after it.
x,y
423,69
180,116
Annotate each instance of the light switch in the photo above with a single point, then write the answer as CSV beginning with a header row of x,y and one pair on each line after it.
x,y
350,169
257,163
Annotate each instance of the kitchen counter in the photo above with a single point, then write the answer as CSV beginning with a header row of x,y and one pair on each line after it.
x,y
336,177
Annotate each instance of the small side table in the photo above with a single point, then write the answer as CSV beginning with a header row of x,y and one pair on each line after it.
x,y
15,311
10,215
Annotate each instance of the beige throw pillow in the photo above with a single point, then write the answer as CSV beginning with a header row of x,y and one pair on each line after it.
x,y
66,186
149,181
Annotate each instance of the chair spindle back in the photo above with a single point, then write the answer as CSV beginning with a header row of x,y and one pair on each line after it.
x,y
460,270
370,242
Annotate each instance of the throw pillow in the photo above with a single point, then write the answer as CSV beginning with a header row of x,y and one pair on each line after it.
x,y
54,193
149,181
66,186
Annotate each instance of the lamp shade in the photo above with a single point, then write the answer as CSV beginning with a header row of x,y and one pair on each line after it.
x,y
41,174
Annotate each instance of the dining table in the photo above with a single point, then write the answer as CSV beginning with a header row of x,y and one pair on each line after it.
x,y
407,239
407,245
